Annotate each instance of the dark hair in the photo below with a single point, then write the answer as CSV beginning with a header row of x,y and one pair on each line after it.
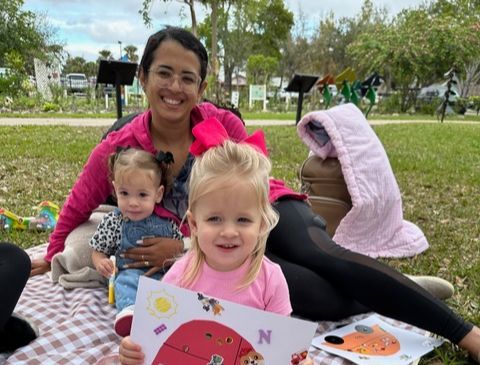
x,y
180,35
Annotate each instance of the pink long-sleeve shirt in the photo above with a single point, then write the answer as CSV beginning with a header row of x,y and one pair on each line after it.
x,y
93,186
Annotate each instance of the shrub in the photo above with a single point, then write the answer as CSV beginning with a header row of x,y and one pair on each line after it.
x,y
460,105
30,103
50,107
390,104
12,85
428,106
475,103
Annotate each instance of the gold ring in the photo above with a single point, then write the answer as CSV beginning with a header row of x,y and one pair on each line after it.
x,y
147,263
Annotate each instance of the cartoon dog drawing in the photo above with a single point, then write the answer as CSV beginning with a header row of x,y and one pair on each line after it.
x,y
210,303
252,358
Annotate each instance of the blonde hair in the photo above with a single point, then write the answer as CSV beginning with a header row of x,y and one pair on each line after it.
x,y
130,160
227,164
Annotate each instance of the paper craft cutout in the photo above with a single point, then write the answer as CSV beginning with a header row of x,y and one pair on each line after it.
x,y
173,327
373,341
161,304
160,329
298,357
210,303
202,341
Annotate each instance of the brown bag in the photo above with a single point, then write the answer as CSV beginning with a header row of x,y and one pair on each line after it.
x,y
322,180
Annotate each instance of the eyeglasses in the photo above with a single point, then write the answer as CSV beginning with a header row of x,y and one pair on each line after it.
x,y
188,82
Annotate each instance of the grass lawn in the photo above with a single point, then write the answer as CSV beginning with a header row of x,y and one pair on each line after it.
x,y
437,167
247,115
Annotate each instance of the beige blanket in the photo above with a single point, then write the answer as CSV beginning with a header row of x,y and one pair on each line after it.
x,y
73,268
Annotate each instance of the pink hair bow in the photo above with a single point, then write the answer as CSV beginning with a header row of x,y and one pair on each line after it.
x,y
211,133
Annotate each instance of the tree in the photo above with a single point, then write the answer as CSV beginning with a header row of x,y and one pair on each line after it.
x,y
12,83
417,48
131,52
90,69
214,5
23,33
246,28
147,5
235,28
271,25
105,54
295,45
328,51
260,68
74,65
468,63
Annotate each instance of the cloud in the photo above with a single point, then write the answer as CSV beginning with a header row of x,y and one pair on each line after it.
x,y
88,26
316,10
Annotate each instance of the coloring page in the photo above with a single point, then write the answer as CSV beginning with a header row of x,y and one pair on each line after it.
x,y
178,326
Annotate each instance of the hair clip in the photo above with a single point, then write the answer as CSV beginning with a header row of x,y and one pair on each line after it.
x,y
121,149
165,157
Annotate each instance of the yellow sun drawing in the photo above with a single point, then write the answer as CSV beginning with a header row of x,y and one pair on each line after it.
x,y
160,304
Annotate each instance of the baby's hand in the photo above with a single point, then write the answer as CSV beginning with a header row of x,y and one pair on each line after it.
x,y
105,267
130,353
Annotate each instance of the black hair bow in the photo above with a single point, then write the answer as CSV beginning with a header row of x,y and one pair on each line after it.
x,y
121,149
165,157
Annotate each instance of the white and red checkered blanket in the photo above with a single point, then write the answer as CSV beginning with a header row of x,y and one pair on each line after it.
x,y
76,326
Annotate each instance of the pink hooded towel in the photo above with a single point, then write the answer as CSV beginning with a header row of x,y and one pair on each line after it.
x,y
375,225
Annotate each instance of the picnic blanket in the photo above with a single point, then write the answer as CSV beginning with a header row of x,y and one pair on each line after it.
x,y
375,225
76,326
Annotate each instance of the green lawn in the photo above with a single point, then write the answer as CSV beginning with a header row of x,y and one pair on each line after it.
x,y
246,116
437,167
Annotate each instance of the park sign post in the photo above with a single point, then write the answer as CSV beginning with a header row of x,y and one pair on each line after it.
x,y
235,98
258,92
301,84
117,73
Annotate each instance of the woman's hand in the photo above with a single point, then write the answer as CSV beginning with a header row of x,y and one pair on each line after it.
x,y
130,353
39,266
157,252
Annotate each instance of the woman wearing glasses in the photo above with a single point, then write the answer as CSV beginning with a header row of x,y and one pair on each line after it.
x,y
326,281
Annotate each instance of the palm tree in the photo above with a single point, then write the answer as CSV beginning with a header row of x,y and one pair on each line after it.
x,y
131,52
105,54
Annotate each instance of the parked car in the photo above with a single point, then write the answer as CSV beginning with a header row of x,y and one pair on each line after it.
x,y
437,91
76,83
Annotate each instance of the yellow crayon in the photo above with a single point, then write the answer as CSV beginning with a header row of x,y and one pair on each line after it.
x,y
111,281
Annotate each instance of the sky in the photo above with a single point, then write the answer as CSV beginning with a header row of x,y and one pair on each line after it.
x,y
86,27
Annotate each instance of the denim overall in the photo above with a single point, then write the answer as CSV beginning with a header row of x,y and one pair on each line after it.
x,y
126,282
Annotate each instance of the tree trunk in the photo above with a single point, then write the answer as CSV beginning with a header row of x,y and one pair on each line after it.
x,y
215,65
472,76
191,5
228,78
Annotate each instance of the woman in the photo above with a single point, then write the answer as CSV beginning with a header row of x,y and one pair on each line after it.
x,y
326,281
